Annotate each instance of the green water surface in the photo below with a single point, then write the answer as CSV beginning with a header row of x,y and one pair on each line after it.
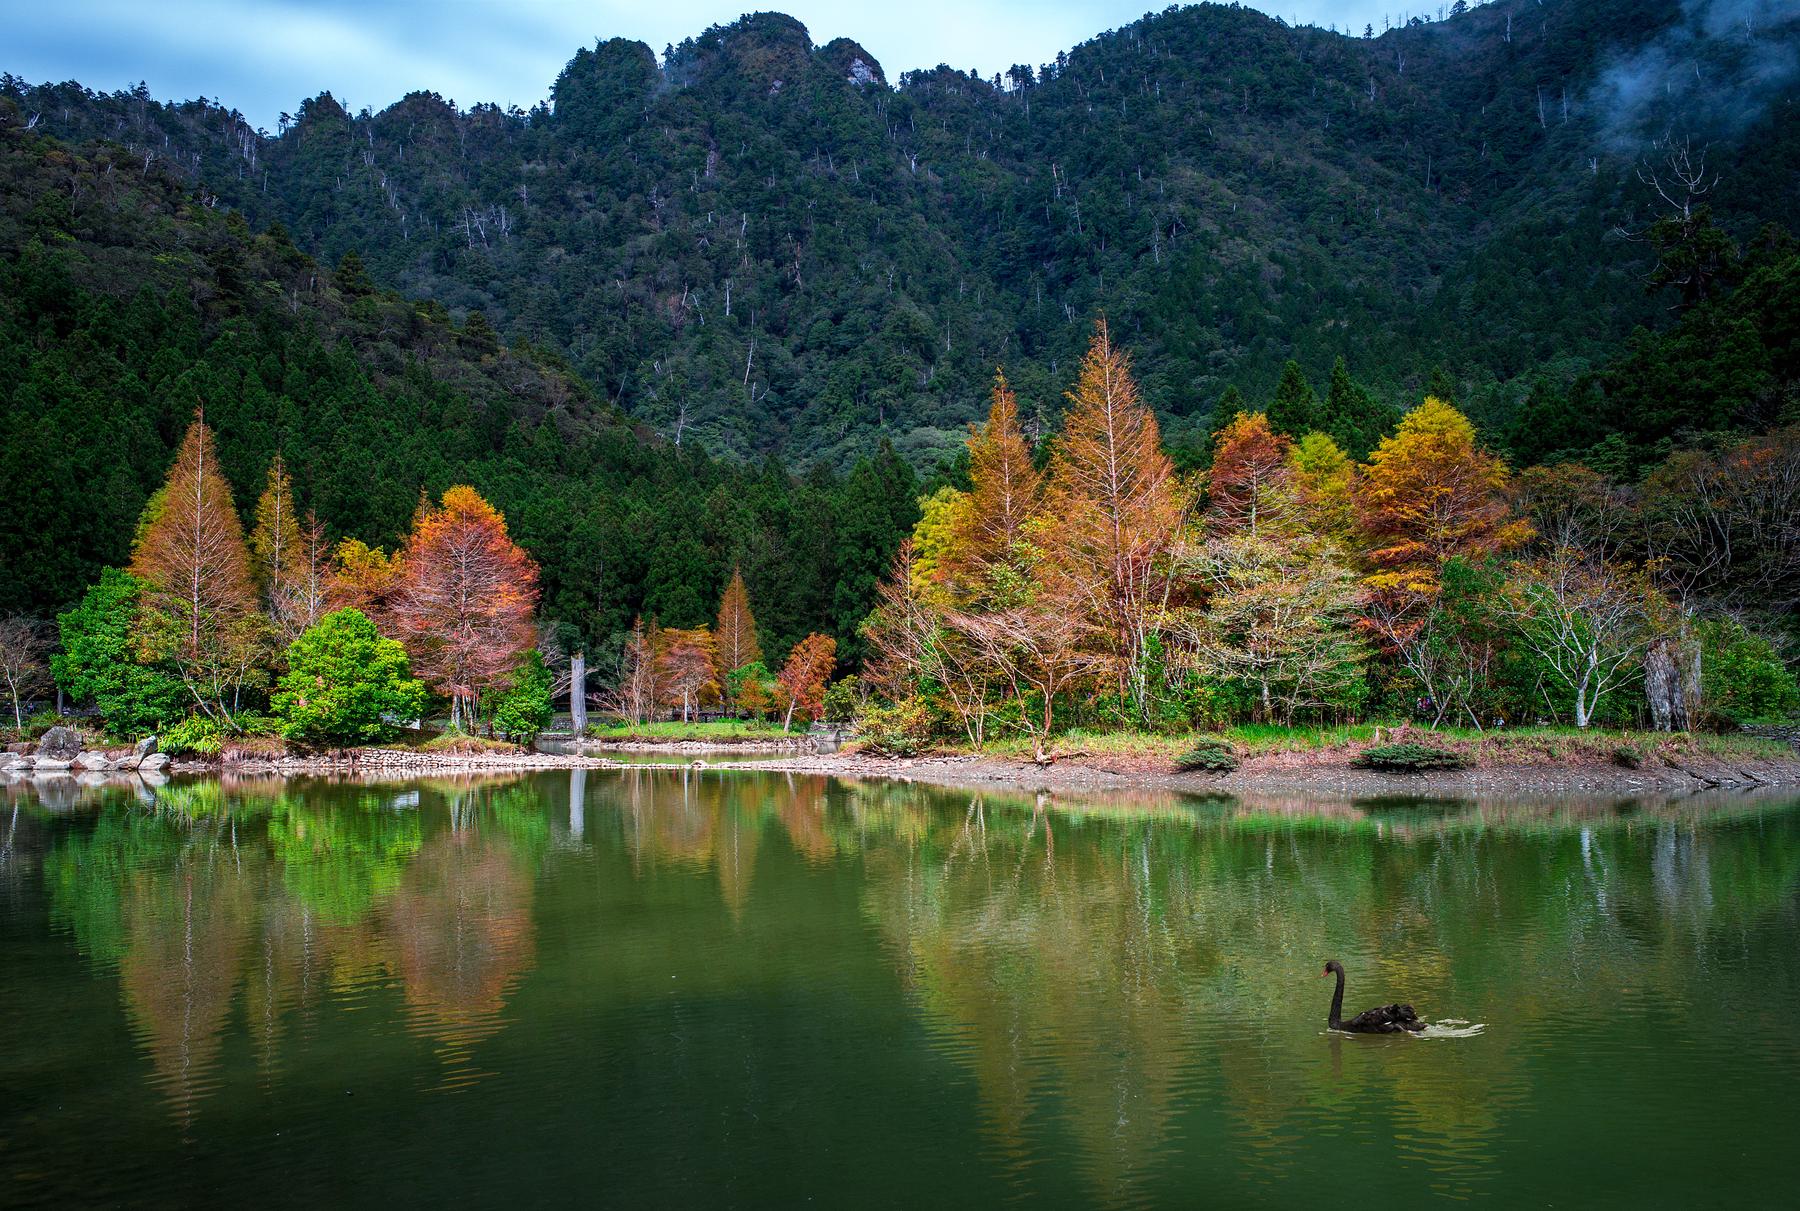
x,y
735,988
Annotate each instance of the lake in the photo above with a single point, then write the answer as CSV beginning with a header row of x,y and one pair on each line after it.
x,y
664,988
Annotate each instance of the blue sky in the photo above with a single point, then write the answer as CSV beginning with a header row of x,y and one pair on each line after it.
x,y
265,56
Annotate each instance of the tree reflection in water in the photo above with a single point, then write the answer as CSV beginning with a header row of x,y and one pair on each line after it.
x,y
1118,978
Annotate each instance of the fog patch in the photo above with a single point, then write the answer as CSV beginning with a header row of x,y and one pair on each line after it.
x,y
1714,73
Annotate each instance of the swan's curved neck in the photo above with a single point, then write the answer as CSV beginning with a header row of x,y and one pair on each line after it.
x,y
1337,1002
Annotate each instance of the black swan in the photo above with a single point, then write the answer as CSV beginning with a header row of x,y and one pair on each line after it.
x,y
1386,1019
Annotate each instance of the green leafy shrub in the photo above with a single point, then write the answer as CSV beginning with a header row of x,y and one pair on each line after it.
x,y
249,723
524,710
842,698
99,662
1209,753
1742,678
1408,758
345,684
36,725
195,736
900,730
1628,756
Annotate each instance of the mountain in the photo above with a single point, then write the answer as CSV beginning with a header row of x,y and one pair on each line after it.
x,y
766,246
128,301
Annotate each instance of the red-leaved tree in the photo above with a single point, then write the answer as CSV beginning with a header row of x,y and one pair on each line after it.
x,y
804,675
465,603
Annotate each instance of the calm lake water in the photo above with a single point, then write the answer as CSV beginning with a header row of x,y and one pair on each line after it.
x,y
740,988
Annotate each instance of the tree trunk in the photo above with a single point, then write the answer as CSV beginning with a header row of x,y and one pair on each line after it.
x,y
1672,682
578,694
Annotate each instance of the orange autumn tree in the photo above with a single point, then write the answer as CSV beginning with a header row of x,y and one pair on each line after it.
x,y
199,603
735,633
685,667
1115,511
465,601
803,677
988,552
1251,486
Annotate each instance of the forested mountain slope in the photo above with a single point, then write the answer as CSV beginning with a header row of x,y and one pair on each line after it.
x,y
127,303
762,243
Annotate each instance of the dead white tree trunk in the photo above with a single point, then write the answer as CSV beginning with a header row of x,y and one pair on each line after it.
x,y
578,693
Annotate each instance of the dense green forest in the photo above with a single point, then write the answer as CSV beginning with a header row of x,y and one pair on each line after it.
x,y
765,245
126,302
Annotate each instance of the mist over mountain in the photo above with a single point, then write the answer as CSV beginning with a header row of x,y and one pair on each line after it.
x,y
772,248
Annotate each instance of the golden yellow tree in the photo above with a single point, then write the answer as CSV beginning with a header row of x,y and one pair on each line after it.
x,y
1325,479
365,578
1116,510
1429,492
934,539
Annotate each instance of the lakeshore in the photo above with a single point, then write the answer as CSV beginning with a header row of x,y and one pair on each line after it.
x,y
1526,761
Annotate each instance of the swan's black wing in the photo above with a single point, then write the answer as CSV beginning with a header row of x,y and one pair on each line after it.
x,y
1385,1019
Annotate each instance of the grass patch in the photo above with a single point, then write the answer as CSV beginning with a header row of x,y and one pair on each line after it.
x,y
1274,738
464,745
1501,746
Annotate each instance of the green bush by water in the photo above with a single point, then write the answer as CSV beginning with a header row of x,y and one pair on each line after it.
x,y
1209,753
1408,758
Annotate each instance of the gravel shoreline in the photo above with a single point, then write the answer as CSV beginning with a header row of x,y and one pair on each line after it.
x,y
1273,774
1278,773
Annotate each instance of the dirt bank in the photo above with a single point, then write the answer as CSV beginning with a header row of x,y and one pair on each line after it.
x,y
1322,771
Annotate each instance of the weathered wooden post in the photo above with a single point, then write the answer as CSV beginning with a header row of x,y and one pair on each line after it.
x,y
578,694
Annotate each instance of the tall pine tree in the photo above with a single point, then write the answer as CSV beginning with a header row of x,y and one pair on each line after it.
x,y
1295,410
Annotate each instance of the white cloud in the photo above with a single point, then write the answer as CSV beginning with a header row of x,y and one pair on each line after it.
x,y
265,56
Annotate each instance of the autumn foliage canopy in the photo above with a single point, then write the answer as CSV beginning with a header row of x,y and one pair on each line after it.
x,y
466,598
